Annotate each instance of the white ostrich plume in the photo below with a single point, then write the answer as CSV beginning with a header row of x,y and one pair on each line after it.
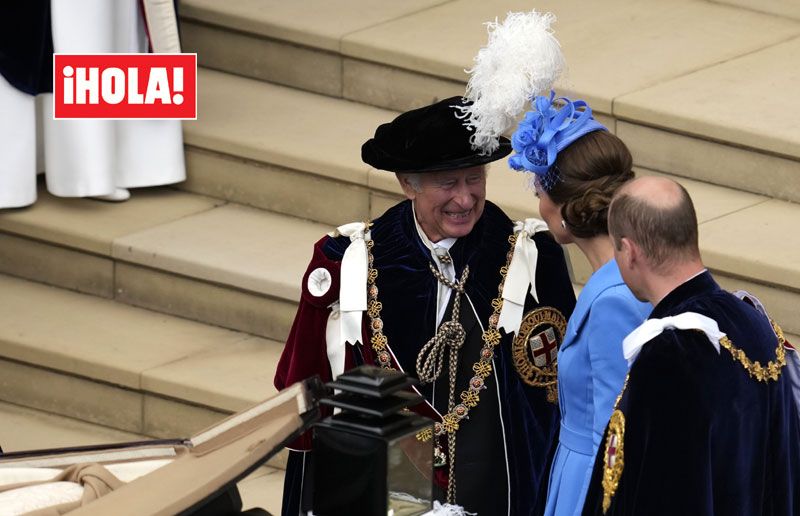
x,y
521,60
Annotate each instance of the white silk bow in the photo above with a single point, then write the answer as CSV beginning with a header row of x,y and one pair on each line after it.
x,y
521,275
353,284
652,328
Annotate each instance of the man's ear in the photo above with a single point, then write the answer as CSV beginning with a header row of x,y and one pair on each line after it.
x,y
408,188
630,252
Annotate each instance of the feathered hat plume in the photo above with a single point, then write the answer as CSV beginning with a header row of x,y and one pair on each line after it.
x,y
521,60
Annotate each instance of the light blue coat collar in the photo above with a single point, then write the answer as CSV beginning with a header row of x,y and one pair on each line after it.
x,y
601,280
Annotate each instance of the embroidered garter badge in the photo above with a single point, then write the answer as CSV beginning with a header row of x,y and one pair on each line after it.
x,y
319,282
613,462
535,349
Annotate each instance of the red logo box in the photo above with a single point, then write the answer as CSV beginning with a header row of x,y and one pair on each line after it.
x,y
125,86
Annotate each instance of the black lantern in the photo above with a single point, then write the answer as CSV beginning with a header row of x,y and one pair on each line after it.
x,y
367,458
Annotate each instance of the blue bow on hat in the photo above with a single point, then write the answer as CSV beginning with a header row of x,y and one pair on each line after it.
x,y
547,130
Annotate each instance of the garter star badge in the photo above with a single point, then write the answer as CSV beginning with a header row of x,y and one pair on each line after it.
x,y
535,348
613,462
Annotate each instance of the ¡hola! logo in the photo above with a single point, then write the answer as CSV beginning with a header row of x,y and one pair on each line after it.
x,y
125,86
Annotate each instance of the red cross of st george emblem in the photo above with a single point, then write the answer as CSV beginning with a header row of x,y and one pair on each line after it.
x,y
544,347
535,348
612,451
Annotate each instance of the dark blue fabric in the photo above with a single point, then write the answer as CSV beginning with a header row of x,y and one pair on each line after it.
x,y
296,493
26,46
407,290
701,436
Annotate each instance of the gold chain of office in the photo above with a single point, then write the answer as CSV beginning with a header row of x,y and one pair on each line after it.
x,y
763,373
482,368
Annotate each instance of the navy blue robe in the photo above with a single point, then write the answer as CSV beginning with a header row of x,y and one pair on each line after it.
x,y
523,421
702,437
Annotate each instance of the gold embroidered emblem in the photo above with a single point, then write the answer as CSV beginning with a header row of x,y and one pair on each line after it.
x,y
535,348
613,462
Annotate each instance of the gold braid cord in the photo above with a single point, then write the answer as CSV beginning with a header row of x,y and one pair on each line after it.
x,y
450,335
482,368
614,464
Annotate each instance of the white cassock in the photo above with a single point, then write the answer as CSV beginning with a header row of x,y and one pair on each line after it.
x,y
86,157
17,147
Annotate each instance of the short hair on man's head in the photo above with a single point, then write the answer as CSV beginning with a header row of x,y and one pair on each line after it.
x,y
414,180
666,234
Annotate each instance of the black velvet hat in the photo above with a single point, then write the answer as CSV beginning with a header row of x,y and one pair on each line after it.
x,y
428,139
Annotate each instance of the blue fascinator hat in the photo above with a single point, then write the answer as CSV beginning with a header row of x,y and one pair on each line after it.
x,y
546,131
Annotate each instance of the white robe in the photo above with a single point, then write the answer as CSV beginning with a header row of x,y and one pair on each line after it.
x,y
86,157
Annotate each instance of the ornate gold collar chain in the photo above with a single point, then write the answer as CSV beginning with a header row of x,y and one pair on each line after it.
x,y
482,368
769,371
431,368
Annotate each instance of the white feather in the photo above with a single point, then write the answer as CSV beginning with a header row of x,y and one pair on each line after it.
x,y
522,59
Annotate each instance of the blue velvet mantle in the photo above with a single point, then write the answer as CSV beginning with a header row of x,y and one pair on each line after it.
x,y
701,436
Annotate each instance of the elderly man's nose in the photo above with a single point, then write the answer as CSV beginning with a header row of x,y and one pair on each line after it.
x,y
464,197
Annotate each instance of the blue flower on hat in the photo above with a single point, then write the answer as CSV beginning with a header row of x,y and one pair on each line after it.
x,y
547,130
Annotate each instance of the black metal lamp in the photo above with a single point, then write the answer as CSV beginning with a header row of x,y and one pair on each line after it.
x,y
367,459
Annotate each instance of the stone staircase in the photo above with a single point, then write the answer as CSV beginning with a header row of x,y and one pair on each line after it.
x,y
162,314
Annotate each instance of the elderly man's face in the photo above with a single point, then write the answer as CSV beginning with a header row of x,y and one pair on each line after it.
x,y
449,203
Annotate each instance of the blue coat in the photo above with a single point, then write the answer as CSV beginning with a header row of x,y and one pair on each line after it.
x,y
591,370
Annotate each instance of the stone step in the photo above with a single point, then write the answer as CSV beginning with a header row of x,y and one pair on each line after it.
x,y
123,367
675,100
169,251
785,8
280,149
23,428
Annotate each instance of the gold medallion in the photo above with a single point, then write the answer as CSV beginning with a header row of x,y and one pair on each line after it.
x,y
613,462
535,348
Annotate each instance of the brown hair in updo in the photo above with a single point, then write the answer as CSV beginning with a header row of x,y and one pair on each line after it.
x,y
590,170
